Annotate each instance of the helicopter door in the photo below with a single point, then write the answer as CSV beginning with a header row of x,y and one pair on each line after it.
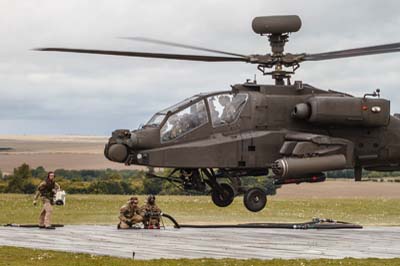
x,y
247,147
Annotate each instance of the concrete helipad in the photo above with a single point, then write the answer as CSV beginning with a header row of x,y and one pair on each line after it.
x,y
382,242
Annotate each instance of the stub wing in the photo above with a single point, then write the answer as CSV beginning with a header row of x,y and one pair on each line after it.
x,y
304,153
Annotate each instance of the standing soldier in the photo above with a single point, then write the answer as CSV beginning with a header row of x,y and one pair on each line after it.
x,y
46,190
151,213
129,214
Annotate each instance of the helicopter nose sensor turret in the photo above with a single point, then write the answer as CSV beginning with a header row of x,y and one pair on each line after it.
x,y
124,145
117,149
117,152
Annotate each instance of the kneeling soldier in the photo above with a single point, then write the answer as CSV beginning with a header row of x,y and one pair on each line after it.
x,y
46,190
130,214
151,213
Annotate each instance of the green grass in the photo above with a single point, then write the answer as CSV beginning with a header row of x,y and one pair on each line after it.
x,y
24,256
104,209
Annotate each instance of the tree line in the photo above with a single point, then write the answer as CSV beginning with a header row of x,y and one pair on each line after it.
x,y
25,179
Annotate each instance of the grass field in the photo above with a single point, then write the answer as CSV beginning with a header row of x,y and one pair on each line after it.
x,y
23,256
104,209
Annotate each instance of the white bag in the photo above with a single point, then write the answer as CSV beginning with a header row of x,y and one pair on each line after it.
x,y
59,198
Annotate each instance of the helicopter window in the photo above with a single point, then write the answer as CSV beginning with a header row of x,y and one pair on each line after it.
x,y
156,120
175,107
184,121
225,108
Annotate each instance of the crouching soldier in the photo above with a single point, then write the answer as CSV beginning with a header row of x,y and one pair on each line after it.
x,y
151,213
46,190
130,214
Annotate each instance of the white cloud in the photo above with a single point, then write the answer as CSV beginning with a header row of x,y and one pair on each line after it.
x,y
95,94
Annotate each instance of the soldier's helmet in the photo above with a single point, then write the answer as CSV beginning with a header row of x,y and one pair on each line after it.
x,y
151,199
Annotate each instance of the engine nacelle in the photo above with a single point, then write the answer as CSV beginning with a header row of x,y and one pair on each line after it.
x,y
336,110
292,167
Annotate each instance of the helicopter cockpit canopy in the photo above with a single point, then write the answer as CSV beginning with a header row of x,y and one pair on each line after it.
x,y
192,113
225,108
158,118
183,121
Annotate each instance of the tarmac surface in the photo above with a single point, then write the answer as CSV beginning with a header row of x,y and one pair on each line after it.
x,y
380,242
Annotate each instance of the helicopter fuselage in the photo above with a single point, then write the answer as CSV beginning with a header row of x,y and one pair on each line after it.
x,y
266,129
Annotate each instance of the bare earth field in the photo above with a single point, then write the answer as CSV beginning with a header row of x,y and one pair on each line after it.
x,y
340,189
54,152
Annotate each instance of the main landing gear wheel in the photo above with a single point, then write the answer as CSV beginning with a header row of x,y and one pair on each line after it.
x,y
223,197
255,199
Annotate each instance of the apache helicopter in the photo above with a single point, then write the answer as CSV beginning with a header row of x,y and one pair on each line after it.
x,y
296,130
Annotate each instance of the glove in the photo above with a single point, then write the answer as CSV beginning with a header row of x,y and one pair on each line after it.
x,y
34,203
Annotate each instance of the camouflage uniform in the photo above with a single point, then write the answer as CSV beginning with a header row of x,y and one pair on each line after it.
x,y
130,214
46,190
151,214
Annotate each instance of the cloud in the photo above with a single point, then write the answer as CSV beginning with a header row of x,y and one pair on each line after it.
x,y
87,94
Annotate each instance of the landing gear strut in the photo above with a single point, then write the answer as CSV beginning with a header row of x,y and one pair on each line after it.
x,y
358,173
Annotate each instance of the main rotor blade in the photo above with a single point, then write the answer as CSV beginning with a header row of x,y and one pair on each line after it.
x,y
149,55
148,40
378,49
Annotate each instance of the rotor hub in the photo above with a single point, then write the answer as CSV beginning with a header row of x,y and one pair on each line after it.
x,y
277,28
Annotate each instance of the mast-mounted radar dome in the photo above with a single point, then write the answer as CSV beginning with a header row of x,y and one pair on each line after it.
x,y
276,24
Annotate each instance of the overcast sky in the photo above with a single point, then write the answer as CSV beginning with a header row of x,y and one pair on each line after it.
x,y
56,93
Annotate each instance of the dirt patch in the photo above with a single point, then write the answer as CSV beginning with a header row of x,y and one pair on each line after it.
x,y
60,161
340,189
52,144
55,152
